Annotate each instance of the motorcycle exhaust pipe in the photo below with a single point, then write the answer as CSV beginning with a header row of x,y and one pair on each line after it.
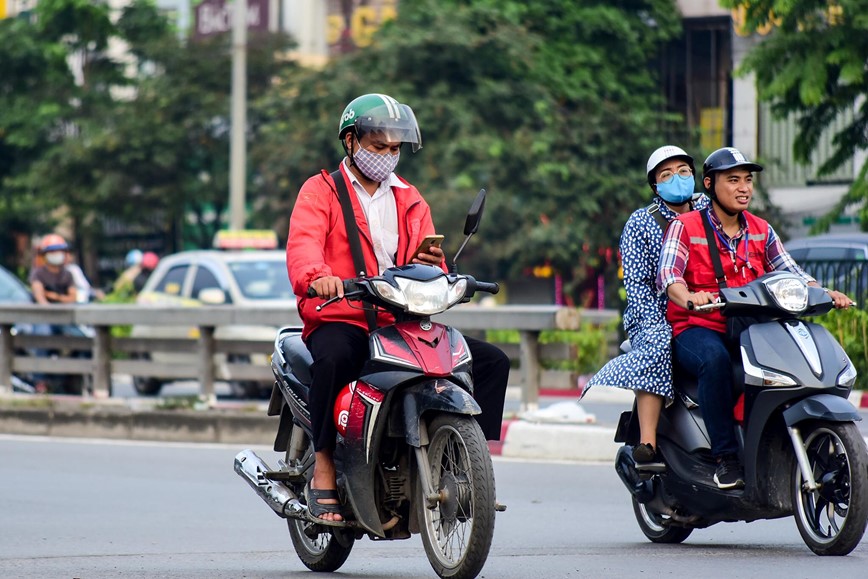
x,y
641,488
276,495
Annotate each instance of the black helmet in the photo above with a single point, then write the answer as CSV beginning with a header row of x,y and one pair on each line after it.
x,y
725,159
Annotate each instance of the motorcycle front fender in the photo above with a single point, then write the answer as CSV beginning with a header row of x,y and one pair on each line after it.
x,y
826,407
436,395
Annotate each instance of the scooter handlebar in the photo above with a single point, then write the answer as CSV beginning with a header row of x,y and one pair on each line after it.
x,y
705,307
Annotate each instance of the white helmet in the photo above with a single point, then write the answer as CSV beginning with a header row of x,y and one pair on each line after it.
x,y
665,153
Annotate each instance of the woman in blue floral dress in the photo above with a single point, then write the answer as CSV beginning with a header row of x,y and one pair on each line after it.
x,y
647,367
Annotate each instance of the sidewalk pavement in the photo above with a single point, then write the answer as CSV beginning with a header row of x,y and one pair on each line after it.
x,y
563,430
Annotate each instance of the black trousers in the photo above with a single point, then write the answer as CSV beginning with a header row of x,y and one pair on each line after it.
x,y
340,350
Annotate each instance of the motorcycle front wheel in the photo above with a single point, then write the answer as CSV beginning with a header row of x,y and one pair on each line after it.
x,y
458,524
656,526
832,519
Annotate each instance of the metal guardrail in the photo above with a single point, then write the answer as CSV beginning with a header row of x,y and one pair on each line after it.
x,y
848,276
529,321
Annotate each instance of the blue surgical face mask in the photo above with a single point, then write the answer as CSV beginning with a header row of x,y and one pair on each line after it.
x,y
677,190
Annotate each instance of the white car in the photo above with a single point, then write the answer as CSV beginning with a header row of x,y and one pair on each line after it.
x,y
240,278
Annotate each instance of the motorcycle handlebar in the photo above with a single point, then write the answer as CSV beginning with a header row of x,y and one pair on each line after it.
x,y
487,287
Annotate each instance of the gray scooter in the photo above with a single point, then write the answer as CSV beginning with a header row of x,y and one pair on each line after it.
x,y
802,452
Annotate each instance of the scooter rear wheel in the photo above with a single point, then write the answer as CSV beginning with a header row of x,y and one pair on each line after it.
x,y
457,531
832,519
654,525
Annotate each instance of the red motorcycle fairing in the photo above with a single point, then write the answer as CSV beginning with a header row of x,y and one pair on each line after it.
x,y
362,416
368,422
433,348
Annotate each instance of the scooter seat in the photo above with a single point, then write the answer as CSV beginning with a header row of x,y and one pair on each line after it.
x,y
298,358
687,385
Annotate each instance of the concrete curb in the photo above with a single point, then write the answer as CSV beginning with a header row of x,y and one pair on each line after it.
x,y
248,425
114,422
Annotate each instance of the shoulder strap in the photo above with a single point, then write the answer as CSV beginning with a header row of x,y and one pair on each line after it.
x,y
713,249
353,237
654,211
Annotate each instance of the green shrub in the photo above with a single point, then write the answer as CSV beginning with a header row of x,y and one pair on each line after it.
x,y
591,342
850,328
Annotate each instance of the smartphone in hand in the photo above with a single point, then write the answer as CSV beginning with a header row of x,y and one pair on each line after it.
x,y
427,243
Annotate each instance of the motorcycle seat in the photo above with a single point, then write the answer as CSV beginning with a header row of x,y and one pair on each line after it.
x,y
297,357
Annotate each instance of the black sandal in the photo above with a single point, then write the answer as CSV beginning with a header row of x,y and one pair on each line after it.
x,y
317,509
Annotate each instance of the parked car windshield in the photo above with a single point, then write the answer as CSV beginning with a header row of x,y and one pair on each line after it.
x,y
262,280
11,288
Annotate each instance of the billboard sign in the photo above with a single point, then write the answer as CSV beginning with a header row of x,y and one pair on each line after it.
x,y
215,17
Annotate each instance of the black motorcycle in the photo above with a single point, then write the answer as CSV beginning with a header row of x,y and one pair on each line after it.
x,y
803,454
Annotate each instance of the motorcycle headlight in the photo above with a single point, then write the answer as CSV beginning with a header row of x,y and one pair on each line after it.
x,y
422,298
790,293
847,377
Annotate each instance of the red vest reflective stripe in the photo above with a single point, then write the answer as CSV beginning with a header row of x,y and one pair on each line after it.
x,y
699,274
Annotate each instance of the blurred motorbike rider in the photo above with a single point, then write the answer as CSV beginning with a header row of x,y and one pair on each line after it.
x,y
51,283
392,219
647,367
748,248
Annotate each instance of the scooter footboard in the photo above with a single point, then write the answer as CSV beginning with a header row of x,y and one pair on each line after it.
x,y
439,395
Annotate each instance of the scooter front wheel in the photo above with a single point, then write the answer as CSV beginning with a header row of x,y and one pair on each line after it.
x,y
655,525
457,529
832,518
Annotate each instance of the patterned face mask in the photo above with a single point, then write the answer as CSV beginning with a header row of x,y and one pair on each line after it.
x,y
375,167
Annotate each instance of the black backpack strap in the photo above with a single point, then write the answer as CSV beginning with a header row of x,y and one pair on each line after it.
x,y
353,236
654,211
713,249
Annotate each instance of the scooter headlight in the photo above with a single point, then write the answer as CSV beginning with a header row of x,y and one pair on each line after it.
x,y
847,377
422,298
790,293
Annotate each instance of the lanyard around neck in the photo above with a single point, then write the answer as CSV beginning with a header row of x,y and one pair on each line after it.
x,y
733,253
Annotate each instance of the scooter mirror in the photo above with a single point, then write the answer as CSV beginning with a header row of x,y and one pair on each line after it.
x,y
474,216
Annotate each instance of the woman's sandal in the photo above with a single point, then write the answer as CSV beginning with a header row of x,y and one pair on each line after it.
x,y
317,509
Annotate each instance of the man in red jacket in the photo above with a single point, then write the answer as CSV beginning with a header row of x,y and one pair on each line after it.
x,y
392,219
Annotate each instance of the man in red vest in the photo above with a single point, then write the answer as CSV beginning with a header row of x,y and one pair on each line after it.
x,y
748,248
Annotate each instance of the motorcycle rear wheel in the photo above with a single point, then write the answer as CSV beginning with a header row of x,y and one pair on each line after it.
x,y
653,526
832,519
322,552
457,531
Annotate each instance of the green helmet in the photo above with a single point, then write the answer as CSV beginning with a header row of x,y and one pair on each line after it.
x,y
381,113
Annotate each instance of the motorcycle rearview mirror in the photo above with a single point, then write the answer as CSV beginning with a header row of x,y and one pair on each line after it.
x,y
471,225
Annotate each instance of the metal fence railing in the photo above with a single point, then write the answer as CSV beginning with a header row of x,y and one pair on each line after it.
x,y
848,276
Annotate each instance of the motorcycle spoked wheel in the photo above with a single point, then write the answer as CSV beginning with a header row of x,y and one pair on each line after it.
x,y
318,547
319,551
457,531
832,519
654,525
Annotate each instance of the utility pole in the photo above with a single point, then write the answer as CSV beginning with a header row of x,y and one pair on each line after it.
x,y
238,144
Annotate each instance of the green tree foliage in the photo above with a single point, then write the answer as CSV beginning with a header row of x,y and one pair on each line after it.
x,y
548,105
812,64
140,139
36,87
